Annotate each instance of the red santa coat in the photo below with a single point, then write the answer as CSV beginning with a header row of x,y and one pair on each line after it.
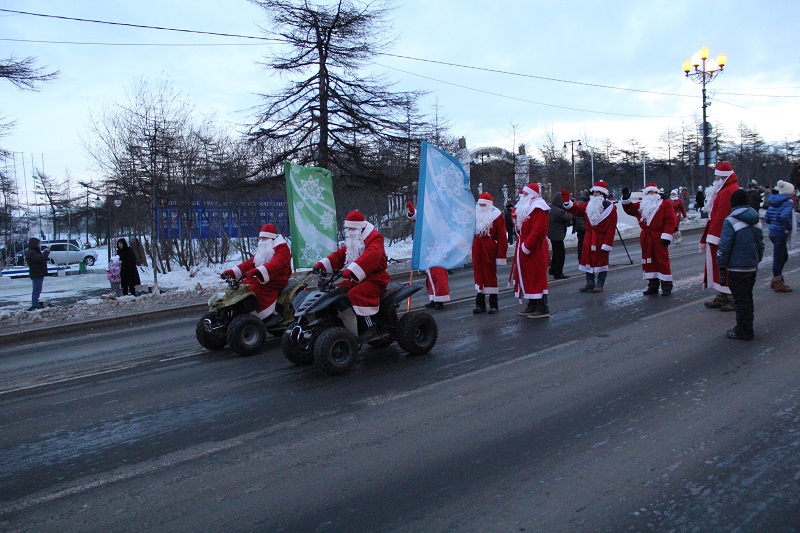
x,y
680,210
655,256
709,242
369,268
276,275
531,255
599,238
489,249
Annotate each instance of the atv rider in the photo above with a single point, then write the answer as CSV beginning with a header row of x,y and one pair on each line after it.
x,y
363,258
267,272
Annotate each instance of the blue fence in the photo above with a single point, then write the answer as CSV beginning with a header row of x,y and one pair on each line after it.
x,y
210,219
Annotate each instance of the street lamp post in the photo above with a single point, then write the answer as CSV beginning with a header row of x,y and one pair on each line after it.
x,y
705,71
572,149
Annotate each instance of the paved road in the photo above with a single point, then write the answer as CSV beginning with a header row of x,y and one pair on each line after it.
x,y
618,413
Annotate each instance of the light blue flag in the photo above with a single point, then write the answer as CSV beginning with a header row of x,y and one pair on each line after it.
x,y
445,223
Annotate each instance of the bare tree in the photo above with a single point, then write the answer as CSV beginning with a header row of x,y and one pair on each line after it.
x,y
24,74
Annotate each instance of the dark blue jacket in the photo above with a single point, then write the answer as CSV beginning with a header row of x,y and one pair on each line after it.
x,y
741,245
779,214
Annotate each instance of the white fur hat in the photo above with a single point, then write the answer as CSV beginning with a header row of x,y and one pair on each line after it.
x,y
784,187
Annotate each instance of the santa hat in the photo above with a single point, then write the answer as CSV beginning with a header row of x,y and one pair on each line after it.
x,y
533,190
355,219
601,187
784,187
673,193
650,187
485,199
268,231
724,169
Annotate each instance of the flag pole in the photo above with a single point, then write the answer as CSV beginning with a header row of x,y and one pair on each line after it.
x,y
410,281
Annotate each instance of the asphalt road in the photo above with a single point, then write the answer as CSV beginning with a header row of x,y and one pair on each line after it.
x,y
618,413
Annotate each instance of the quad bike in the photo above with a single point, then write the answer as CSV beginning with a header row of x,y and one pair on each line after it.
x,y
230,321
325,330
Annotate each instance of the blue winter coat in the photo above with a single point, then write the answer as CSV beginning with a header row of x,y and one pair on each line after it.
x,y
779,214
741,245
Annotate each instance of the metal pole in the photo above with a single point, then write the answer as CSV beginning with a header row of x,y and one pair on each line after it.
x,y
108,227
705,128
574,182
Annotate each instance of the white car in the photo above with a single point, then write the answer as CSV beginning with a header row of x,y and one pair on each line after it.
x,y
62,253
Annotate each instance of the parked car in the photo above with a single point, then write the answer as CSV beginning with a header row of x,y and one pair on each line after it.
x,y
63,252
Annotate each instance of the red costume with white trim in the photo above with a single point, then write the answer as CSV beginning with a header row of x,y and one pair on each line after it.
x,y
531,253
268,279
368,269
599,238
489,247
436,280
720,209
660,226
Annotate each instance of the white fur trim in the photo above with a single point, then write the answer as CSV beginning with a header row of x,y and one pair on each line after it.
x,y
490,290
485,202
264,313
666,237
236,272
445,298
326,263
267,234
568,205
278,241
531,192
500,262
264,272
355,224
649,189
606,248
365,311
599,189
524,249
725,173
357,270
629,200
712,239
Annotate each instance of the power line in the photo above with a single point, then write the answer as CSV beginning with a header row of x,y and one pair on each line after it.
x,y
131,44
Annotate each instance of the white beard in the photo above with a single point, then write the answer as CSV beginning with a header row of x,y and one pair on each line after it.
x,y
594,210
524,208
354,241
712,192
265,252
484,217
648,206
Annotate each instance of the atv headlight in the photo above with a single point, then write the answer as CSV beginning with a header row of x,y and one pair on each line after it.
x,y
218,296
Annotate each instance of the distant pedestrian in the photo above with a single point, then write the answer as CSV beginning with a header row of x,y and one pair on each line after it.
x,y
782,220
129,273
741,248
37,269
559,221
489,250
699,199
754,195
718,209
113,274
508,219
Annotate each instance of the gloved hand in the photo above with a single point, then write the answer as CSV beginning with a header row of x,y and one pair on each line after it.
x,y
626,193
411,208
665,242
565,196
256,274
226,275
347,274
318,268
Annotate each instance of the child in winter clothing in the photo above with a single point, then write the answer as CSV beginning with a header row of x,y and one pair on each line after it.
x,y
741,248
113,274
782,221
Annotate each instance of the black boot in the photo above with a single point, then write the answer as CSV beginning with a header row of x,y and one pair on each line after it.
x,y
493,308
530,309
480,304
666,288
652,287
367,329
542,309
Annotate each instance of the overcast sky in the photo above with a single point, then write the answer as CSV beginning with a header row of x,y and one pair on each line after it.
x,y
624,44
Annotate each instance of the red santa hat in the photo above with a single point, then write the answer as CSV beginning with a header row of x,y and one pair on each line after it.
x,y
485,199
650,187
723,169
600,186
268,231
532,189
355,219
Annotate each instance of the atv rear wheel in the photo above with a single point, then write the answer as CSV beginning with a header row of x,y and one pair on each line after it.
x,y
246,335
336,350
417,333
294,352
207,339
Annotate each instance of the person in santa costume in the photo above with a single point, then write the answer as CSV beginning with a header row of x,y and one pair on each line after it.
x,y
657,220
600,217
489,249
436,280
531,255
718,207
680,213
363,259
267,272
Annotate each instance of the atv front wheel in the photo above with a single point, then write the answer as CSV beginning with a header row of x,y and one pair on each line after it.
x,y
417,333
294,352
246,335
336,350
207,339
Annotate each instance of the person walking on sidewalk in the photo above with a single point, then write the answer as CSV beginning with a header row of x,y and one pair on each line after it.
x,y
489,249
718,207
530,252
657,221
37,269
558,223
600,217
782,220
741,247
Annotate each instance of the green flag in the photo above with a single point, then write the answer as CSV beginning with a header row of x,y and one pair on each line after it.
x,y
312,213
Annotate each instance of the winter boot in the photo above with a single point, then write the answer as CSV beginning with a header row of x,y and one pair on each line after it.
x,y
480,304
598,288
367,329
493,308
718,301
728,306
587,288
529,310
779,286
666,288
542,309
652,287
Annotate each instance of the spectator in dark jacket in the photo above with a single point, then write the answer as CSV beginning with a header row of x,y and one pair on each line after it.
x,y
129,274
741,247
754,195
37,269
782,222
556,231
699,199
509,222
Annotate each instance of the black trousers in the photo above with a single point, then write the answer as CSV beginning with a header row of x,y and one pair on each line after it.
x,y
741,286
557,263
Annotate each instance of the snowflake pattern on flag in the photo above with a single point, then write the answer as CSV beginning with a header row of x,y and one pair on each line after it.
x,y
436,253
463,217
310,189
451,179
327,220
311,252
